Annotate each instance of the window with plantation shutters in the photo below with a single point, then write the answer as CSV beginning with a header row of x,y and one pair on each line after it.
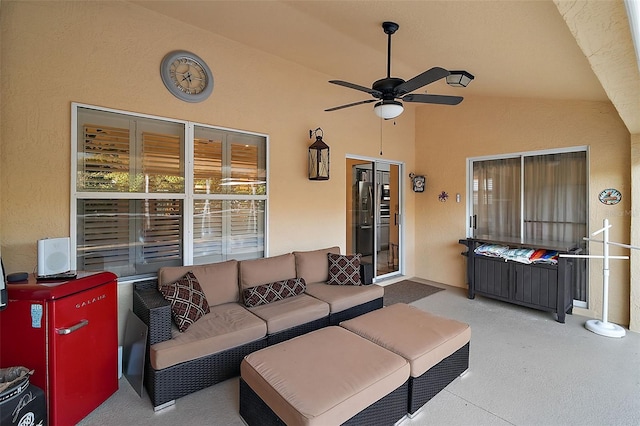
x,y
161,231
245,227
103,235
132,210
162,164
105,158
228,165
208,232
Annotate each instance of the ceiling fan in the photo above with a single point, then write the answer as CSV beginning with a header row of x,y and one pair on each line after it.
x,y
388,89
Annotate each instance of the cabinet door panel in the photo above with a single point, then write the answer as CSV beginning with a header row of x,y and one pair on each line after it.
x,y
491,276
536,285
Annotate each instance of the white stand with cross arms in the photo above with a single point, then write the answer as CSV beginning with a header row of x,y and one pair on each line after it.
x,y
604,327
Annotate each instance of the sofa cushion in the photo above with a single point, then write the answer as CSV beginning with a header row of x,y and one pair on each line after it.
x,y
341,297
188,301
344,269
219,281
291,312
227,326
313,265
266,270
272,292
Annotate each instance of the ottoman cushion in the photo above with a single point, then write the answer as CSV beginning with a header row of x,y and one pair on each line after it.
x,y
421,338
323,377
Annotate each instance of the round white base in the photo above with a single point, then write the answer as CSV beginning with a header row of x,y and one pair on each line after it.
x,y
605,328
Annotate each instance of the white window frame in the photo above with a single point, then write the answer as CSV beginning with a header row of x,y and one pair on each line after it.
x,y
521,155
187,196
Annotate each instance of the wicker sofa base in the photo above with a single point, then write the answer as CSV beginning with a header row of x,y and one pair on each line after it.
x,y
296,331
347,314
432,381
182,379
386,411
171,383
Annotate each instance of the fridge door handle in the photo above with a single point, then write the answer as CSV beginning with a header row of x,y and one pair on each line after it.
x,y
71,329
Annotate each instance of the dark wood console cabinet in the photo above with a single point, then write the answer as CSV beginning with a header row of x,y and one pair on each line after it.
x,y
540,286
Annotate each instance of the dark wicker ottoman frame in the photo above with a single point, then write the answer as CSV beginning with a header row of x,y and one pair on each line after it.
x,y
386,411
166,385
432,381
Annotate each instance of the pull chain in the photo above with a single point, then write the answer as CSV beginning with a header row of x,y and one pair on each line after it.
x,y
381,137
381,120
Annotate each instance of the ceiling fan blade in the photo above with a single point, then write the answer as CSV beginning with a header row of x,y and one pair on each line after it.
x,y
429,76
373,92
350,105
433,99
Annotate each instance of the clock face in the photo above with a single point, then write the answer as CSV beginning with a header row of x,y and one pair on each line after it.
x,y
418,184
186,76
610,196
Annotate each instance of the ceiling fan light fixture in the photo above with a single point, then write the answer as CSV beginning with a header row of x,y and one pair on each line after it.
x,y
386,90
388,109
459,78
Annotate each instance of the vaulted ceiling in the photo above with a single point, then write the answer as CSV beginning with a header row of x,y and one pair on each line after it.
x,y
574,50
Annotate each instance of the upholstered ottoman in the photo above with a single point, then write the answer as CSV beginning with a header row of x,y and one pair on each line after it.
x,y
437,348
326,377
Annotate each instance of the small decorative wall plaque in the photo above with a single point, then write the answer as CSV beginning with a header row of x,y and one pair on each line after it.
x,y
610,196
418,182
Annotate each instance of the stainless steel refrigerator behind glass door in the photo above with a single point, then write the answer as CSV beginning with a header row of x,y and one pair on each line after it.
x,y
365,221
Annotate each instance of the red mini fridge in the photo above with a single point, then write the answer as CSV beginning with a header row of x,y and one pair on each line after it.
x,y
67,332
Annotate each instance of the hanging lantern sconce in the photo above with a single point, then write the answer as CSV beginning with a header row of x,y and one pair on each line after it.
x,y
318,157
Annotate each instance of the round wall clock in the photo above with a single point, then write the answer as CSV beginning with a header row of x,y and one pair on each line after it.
x,y
610,196
186,76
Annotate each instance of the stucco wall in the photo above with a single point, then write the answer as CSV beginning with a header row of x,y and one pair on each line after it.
x,y
499,126
108,54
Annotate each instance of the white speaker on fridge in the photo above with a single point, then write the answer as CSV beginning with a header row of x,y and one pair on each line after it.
x,y
53,256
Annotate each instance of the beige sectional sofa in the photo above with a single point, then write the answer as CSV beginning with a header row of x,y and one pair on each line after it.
x,y
211,349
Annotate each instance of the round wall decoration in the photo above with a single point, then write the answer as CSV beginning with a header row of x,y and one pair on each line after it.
x,y
186,76
610,196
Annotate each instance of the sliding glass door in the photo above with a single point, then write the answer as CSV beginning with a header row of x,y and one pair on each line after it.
x,y
538,197
496,198
374,214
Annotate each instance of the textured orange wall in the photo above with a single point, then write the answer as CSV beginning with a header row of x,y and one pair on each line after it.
x,y
494,126
108,54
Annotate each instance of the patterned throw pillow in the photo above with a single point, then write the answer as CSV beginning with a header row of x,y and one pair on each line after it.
x,y
344,269
188,302
267,293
